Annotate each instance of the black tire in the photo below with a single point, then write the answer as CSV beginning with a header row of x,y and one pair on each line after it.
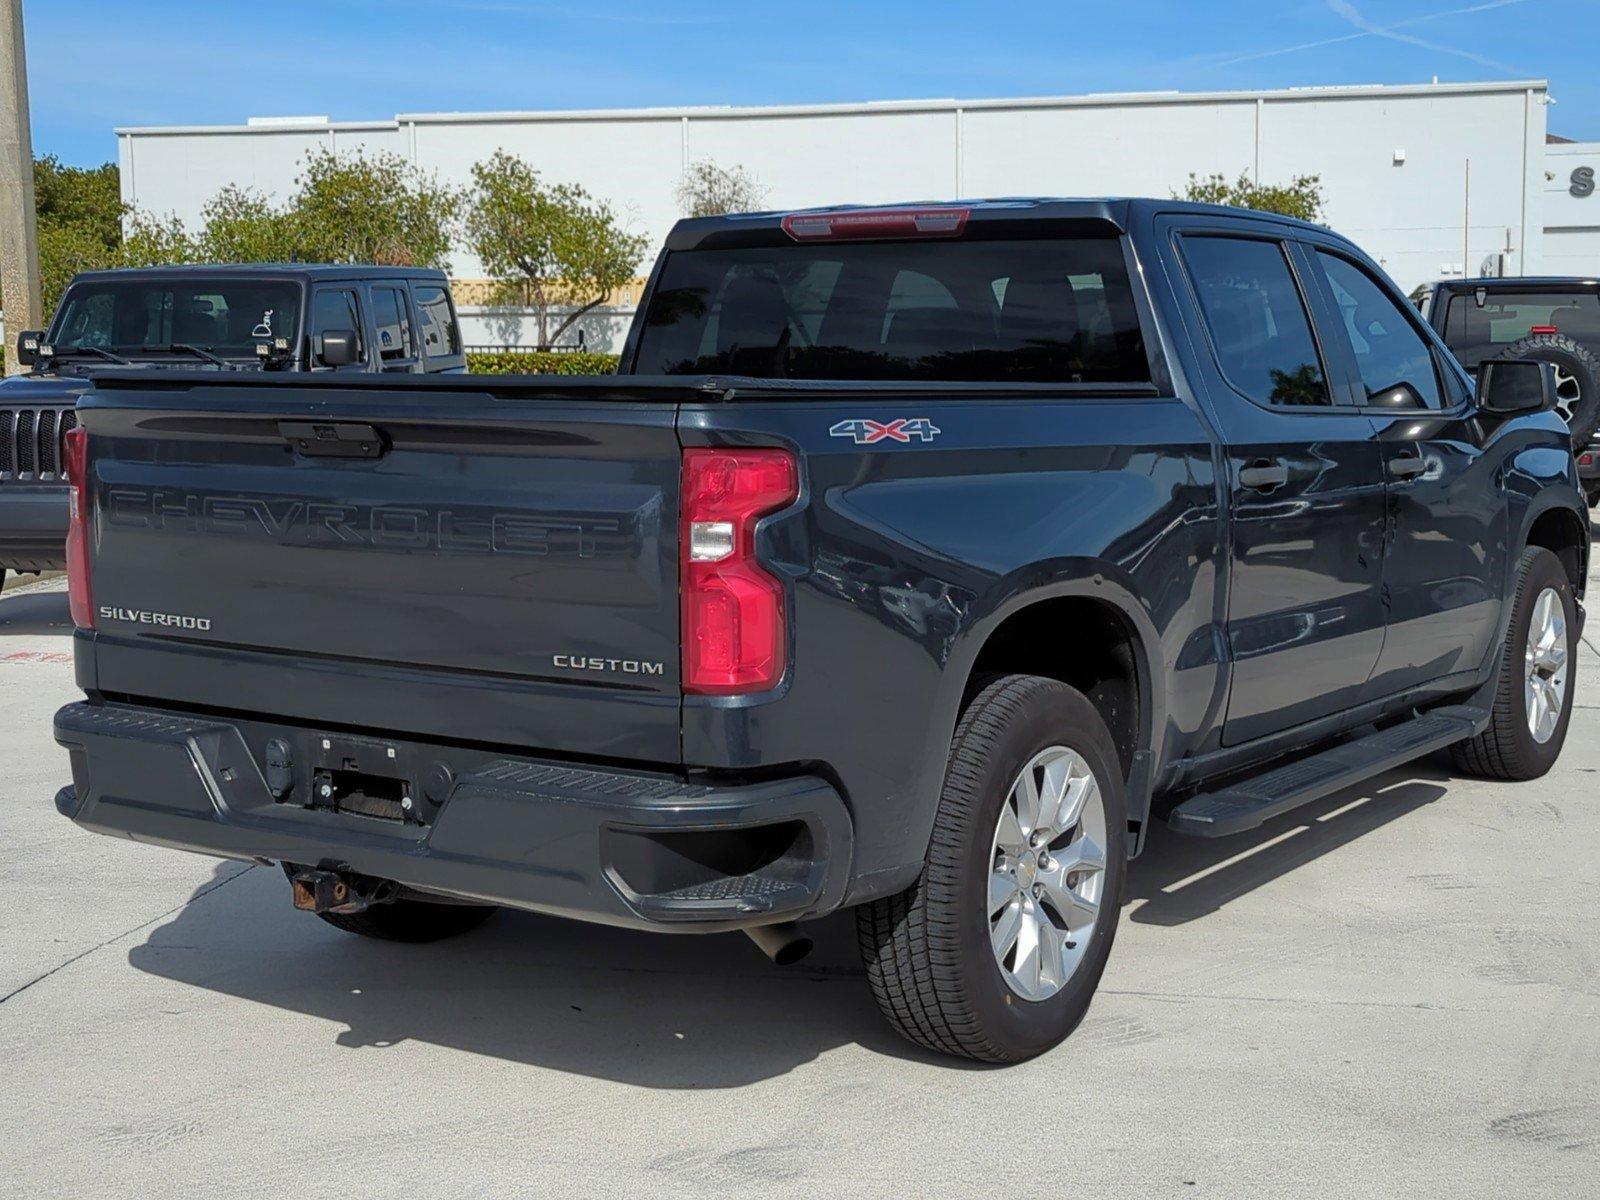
x,y
1573,360
1507,749
927,950
1591,490
412,920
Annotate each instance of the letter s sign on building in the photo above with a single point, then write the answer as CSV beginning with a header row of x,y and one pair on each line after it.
x,y
1582,182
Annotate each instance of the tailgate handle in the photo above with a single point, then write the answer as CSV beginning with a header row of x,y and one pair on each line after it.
x,y
333,439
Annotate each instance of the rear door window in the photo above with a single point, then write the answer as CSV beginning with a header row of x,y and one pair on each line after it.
x,y
1257,320
437,321
334,309
1394,360
391,319
1039,311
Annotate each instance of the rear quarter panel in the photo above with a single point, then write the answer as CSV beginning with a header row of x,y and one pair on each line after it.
x,y
903,557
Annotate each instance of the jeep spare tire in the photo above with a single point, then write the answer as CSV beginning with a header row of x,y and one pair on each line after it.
x,y
1577,379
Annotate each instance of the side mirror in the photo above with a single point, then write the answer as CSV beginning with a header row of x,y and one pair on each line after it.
x,y
338,348
1509,387
28,342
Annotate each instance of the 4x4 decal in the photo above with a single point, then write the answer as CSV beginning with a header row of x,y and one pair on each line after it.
x,y
866,433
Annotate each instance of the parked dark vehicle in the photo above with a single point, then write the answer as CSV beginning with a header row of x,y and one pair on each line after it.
x,y
918,561
276,317
1552,319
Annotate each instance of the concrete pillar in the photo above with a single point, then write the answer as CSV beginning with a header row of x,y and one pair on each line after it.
x,y
19,238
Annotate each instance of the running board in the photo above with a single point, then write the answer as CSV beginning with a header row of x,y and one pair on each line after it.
x,y
1251,802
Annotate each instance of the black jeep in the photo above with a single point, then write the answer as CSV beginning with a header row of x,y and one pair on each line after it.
x,y
276,317
1554,319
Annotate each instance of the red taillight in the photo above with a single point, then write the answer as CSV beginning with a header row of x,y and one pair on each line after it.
x,y
75,450
734,635
856,225
1544,329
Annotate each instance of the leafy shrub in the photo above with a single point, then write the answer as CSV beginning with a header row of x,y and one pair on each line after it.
x,y
541,362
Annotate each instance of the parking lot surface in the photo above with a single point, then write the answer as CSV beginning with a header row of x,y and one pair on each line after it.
x,y
1393,992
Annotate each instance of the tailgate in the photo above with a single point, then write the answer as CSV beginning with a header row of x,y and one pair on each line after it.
x,y
444,560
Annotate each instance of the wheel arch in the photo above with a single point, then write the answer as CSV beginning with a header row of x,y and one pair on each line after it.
x,y
1562,531
1083,626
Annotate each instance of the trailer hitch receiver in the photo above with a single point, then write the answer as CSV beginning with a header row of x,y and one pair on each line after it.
x,y
323,891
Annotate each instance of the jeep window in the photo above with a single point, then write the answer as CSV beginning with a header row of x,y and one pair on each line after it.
x,y
134,316
1257,320
1395,362
335,309
393,323
1057,311
1475,332
440,337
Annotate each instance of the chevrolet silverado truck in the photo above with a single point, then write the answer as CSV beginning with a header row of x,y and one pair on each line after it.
x,y
293,317
1552,319
918,561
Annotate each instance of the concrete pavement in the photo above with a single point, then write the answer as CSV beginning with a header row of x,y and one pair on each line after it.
x,y
1395,992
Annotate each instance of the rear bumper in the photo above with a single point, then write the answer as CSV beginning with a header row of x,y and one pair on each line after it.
x,y
621,848
33,528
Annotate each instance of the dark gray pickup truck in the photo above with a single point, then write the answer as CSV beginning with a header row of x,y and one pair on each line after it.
x,y
918,562
275,317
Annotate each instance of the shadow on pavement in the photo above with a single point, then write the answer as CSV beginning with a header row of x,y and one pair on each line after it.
x,y
652,1010
1182,879
33,613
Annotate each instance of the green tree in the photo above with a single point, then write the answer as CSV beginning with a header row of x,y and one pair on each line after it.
x,y
707,190
1300,197
88,197
550,247
80,212
376,210
241,225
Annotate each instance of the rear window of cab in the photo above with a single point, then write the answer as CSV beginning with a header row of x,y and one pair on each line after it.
x,y
1002,311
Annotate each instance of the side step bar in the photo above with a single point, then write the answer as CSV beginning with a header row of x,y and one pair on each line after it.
x,y
1251,802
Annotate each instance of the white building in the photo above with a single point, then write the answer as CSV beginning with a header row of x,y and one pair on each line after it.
x,y
1432,180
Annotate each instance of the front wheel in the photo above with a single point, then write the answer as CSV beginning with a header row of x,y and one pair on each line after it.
x,y
995,952
1538,674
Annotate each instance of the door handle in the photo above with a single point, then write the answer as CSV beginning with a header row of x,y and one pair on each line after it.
x,y
1263,476
1407,466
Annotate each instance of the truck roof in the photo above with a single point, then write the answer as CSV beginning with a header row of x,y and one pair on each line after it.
x,y
305,271
1518,282
1115,211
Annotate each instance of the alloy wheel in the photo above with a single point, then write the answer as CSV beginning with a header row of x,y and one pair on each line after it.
x,y
1046,872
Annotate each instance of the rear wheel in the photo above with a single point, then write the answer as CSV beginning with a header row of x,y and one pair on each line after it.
x,y
412,920
1538,669
1577,379
995,952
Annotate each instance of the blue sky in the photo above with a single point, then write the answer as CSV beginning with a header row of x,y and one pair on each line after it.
x,y
97,64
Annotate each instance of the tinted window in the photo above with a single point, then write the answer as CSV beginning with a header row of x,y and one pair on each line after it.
x,y
1257,320
1394,360
393,324
1476,332
131,316
1024,311
334,310
440,338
